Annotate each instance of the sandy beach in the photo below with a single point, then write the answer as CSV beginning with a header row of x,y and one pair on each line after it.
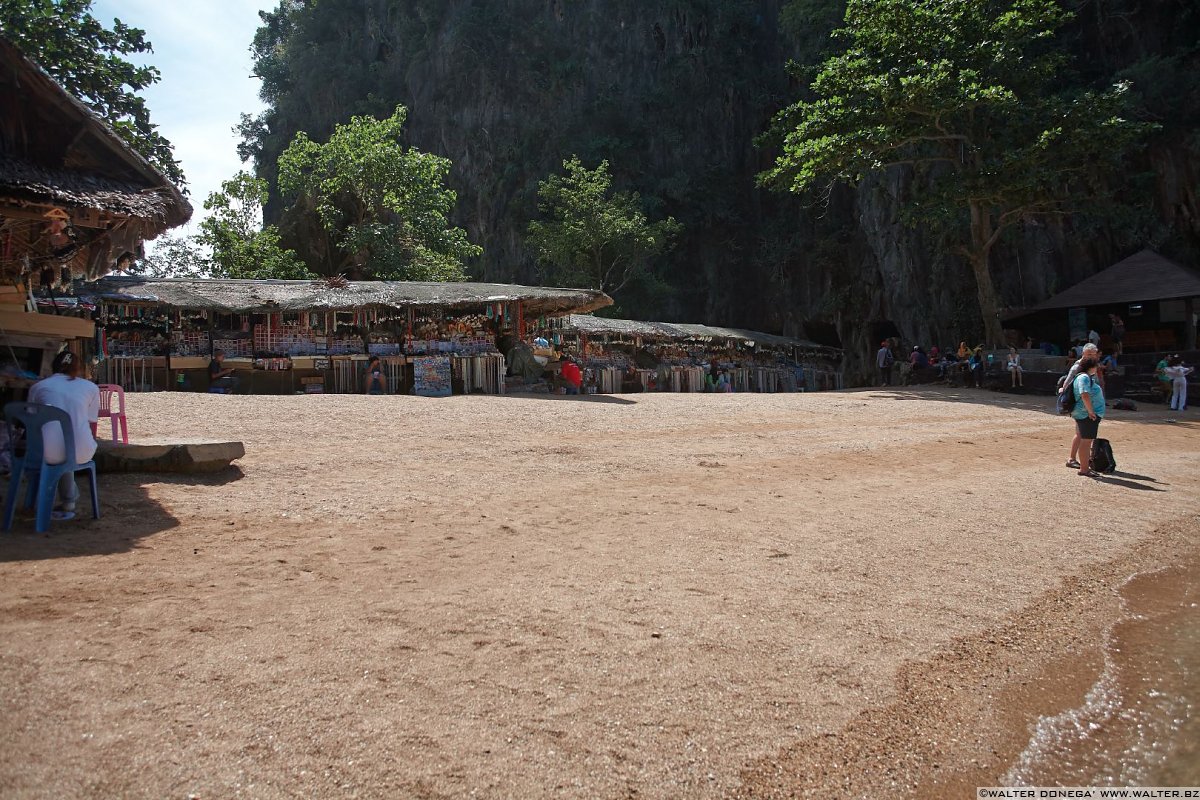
x,y
628,596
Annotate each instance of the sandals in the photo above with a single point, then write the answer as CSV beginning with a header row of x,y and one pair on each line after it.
x,y
1072,464
1089,474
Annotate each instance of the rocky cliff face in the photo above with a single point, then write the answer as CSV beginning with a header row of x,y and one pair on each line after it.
x,y
673,94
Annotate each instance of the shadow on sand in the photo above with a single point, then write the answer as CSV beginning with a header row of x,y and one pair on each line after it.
x,y
1148,414
574,398
127,515
1113,480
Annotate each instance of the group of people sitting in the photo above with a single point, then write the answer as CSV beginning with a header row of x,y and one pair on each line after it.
x,y
969,362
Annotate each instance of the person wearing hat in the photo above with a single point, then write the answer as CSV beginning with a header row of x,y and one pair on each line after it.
x,y
80,398
883,360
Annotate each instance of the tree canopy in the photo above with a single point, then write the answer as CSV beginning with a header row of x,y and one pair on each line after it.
x,y
85,58
971,93
592,237
241,246
382,208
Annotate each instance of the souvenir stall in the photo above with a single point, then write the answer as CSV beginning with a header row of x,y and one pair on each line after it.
x,y
608,349
455,352
696,358
318,336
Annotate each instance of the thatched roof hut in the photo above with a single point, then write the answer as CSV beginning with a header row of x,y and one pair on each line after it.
x,y
72,192
258,296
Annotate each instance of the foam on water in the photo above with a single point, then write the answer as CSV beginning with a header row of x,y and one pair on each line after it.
x,y
1139,724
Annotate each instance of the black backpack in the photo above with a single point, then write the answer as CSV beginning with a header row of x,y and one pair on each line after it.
x,y
1102,457
1066,397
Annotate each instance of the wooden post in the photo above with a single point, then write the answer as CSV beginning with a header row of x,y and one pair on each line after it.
x,y
521,319
1189,321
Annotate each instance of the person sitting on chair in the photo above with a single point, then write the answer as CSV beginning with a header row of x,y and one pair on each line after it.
x,y
218,376
80,398
376,381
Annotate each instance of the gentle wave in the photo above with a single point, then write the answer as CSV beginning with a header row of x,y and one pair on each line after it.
x,y
1139,724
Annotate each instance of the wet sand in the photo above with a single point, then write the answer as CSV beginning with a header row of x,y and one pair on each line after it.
x,y
652,596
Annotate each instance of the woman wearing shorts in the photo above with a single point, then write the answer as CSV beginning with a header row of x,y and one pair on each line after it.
x,y
1088,411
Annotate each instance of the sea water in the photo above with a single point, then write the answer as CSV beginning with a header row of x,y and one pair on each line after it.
x,y
1139,724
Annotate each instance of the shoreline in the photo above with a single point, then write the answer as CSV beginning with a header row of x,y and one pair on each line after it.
x,y
962,717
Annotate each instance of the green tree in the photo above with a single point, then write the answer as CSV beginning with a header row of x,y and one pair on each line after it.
x,y
85,58
594,238
241,246
383,208
174,257
969,93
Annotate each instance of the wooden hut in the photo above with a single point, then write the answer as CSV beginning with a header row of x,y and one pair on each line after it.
x,y
75,199
73,194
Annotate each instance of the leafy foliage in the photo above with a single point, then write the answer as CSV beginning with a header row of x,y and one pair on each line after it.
x,y
972,93
241,247
81,54
383,208
594,238
174,257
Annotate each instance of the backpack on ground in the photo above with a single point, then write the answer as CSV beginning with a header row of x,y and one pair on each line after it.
x,y
1066,396
1102,457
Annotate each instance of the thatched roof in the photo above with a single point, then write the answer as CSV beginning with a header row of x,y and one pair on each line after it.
x,y
1140,278
246,296
599,326
60,151
679,332
57,155
62,187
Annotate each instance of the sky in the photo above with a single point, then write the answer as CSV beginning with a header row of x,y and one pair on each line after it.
x,y
201,47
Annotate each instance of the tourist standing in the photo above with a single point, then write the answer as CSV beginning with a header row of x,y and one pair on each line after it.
x,y
1178,373
1165,381
1088,411
883,361
80,398
1068,385
1118,332
1088,350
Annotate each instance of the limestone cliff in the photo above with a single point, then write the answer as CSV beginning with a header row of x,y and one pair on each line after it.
x,y
674,94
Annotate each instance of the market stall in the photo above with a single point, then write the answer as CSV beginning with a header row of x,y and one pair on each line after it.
x,y
286,336
692,358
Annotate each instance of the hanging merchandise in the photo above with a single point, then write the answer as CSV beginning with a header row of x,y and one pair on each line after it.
x,y
481,374
431,376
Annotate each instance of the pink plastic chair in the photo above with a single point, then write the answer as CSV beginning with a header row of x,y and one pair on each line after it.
x,y
107,392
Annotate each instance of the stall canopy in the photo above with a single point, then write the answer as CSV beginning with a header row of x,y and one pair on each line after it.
x,y
72,192
1142,277
676,331
258,296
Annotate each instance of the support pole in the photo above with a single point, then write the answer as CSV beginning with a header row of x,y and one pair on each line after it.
x,y
1189,319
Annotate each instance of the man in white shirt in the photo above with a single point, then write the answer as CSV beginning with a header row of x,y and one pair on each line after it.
x,y
80,398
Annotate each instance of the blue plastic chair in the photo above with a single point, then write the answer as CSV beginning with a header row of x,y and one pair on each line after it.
x,y
42,477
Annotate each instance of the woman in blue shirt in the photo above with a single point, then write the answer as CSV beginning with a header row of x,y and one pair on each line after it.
x,y
1088,411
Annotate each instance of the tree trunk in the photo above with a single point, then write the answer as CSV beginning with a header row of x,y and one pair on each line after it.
x,y
982,239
